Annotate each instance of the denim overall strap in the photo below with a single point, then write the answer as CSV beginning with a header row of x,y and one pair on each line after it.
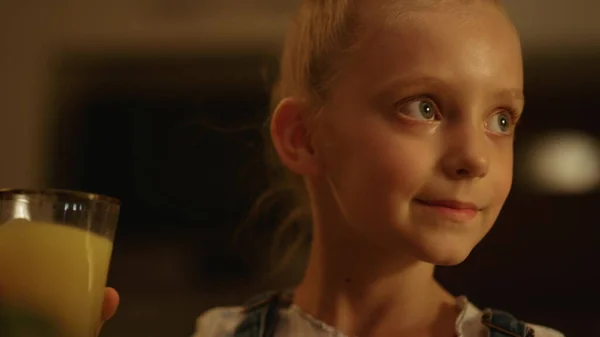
x,y
262,315
502,324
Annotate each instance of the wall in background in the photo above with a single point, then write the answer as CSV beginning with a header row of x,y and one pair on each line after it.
x,y
33,33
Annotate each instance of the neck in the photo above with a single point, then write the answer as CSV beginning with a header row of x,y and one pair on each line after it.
x,y
364,291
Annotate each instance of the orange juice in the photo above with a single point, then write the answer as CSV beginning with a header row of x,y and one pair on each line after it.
x,y
55,273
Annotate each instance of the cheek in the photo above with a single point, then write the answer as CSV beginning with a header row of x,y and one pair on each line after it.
x,y
380,163
401,164
502,178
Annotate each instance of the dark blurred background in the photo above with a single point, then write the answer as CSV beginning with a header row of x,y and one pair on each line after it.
x,y
160,103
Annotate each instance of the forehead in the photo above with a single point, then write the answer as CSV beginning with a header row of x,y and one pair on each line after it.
x,y
468,41
397,7
390,13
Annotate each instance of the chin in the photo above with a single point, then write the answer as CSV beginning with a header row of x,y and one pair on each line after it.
x,y
447,260
443,253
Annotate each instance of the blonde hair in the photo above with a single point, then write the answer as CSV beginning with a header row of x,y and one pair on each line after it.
x,y
323,32
320,33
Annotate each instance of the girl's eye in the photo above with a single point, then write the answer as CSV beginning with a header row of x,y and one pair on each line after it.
x,y
420,109
502,123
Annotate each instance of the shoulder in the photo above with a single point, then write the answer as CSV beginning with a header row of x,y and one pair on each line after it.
x,y
475,322
260,313
219,322
542,331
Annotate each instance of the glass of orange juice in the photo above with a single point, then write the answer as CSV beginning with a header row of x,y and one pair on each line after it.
x,y
55,250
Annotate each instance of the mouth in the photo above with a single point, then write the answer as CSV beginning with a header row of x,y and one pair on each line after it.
x,y
457,211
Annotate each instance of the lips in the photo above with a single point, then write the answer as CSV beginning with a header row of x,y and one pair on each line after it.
x,y
453,210
454,204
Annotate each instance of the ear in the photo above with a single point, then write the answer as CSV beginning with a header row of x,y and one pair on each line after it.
x,y
291,136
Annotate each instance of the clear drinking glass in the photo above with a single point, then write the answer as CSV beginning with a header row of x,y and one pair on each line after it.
x,y
55,250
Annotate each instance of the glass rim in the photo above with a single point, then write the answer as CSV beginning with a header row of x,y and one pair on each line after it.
x,y
59,192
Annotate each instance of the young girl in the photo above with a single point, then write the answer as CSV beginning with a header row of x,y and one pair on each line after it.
x,y
399,116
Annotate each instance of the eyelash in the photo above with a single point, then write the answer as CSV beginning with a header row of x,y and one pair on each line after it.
x,y
515,116
427,98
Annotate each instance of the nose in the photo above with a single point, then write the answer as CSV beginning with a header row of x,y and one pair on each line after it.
x,y
467,155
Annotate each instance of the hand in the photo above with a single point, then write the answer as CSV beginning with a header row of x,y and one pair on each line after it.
x,y
109,307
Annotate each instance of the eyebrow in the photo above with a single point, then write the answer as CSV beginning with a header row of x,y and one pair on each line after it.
x,y
389,88
409,82
425,80
516,94
414,80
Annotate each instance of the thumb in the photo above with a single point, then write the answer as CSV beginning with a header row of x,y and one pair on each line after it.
x,y
111,302
109,306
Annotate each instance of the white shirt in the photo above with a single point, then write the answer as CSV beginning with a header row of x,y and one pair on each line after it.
x,y
222,322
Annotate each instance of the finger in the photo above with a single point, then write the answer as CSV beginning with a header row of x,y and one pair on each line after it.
x,y
109,306
111,302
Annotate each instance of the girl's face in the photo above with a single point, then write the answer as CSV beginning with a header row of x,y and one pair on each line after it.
x,y
416,142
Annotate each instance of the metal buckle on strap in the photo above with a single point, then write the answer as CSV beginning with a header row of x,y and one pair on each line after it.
x,y
487,319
